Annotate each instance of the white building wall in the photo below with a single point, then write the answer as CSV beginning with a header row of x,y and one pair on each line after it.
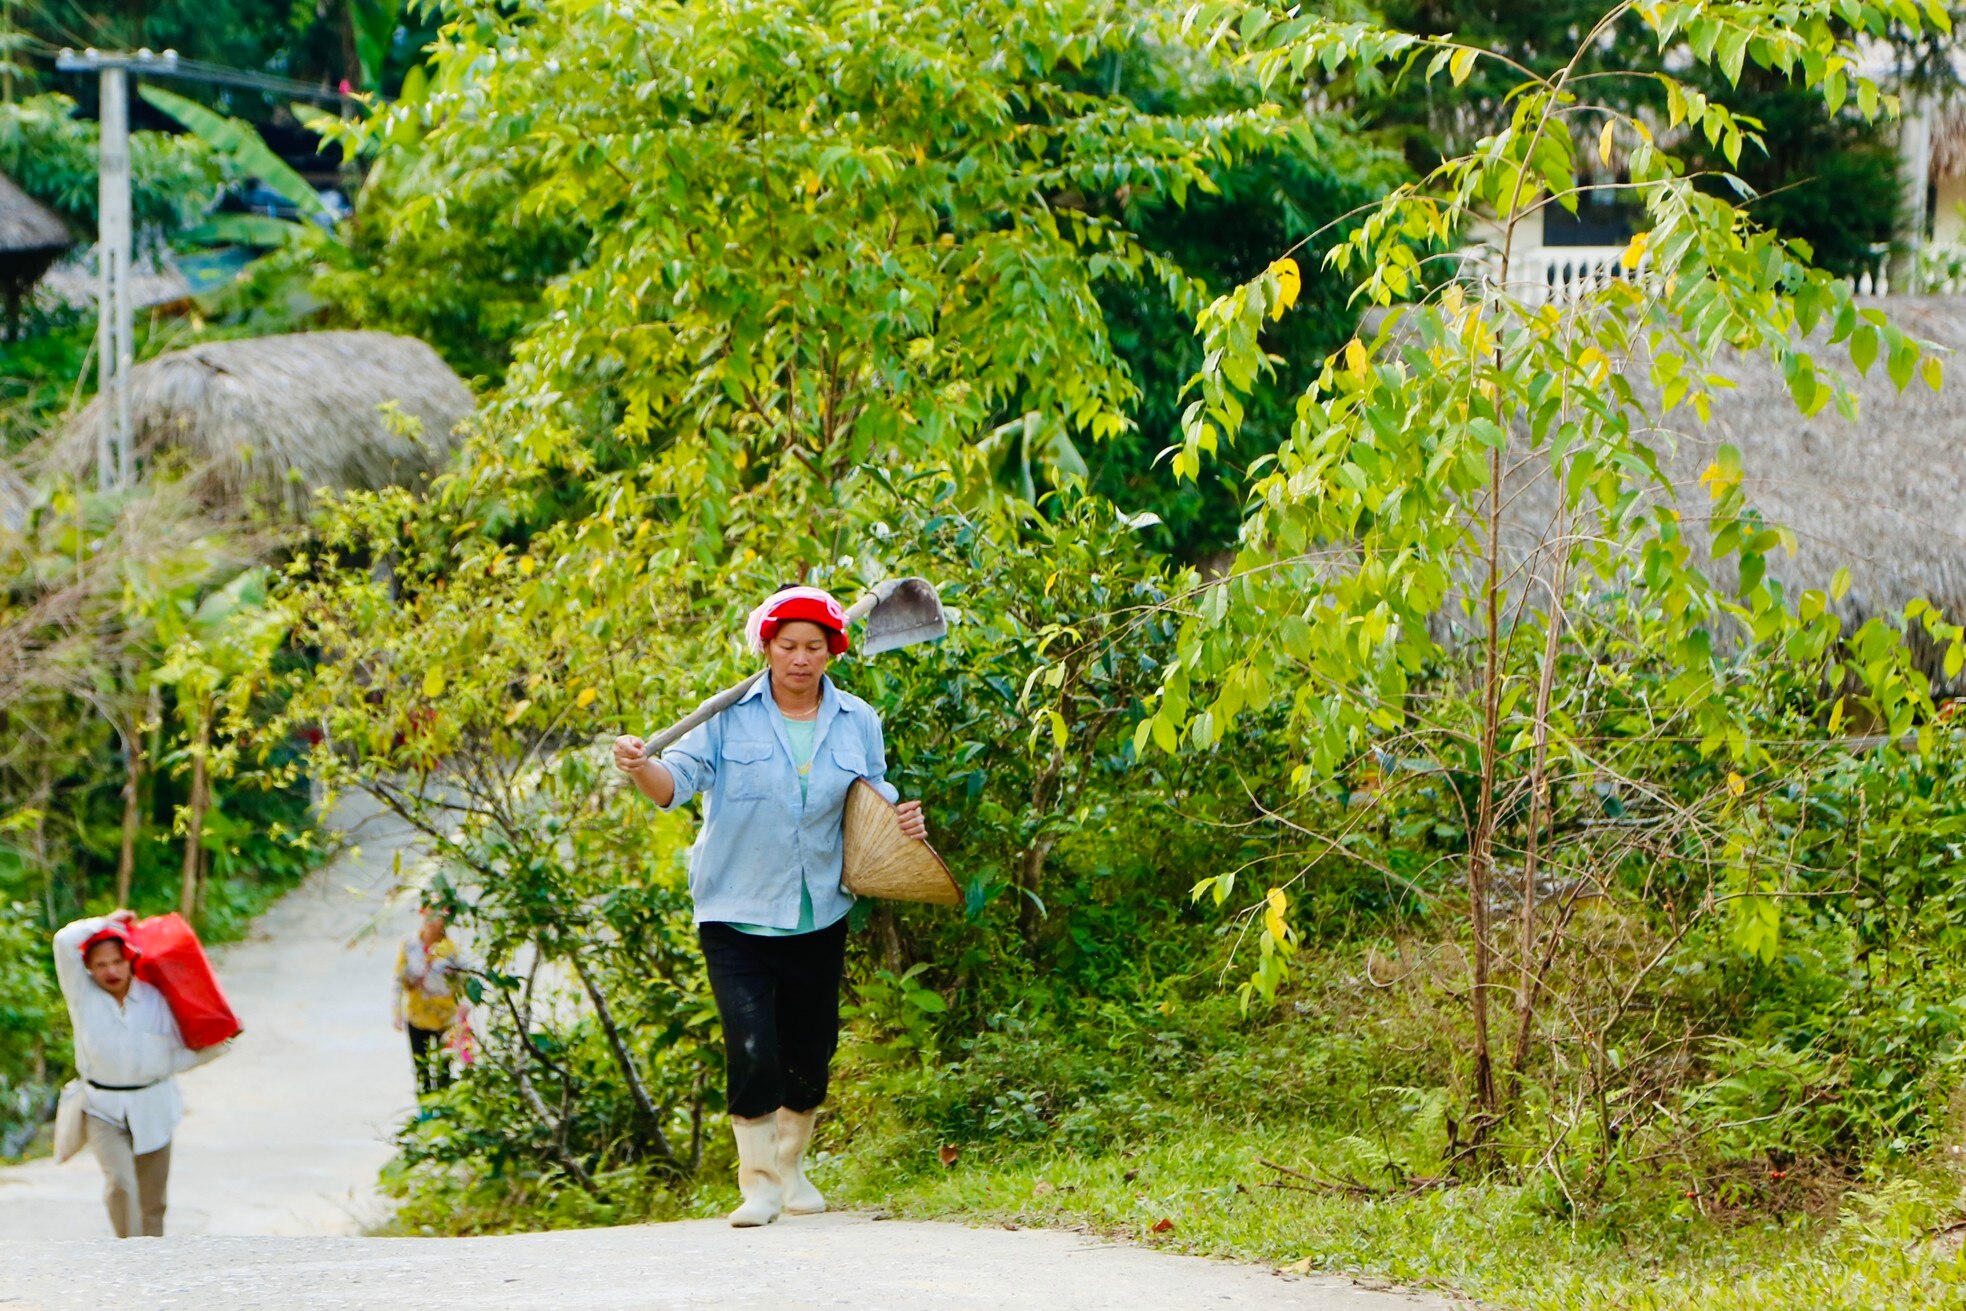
x,y
1949,215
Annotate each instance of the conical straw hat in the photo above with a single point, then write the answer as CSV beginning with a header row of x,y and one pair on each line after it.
x,y
882,861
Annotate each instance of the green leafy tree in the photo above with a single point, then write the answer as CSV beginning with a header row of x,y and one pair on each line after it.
x,y
216,657
837,264
821,256
51,153
1828,179
1468,581
471,279
1264,204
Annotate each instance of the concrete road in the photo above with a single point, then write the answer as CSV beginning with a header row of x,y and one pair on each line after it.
x,y
851,1262
277,1159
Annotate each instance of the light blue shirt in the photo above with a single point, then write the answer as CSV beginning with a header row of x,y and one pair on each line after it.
x,y
800,733
764,847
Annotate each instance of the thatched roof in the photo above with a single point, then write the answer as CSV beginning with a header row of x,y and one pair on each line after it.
x,y
1884,497
155,280
26,224
1948,151
274,418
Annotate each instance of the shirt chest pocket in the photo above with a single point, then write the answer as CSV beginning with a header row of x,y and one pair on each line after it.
x,y
848,762
749,769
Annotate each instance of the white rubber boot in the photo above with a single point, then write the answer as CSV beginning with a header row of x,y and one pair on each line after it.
x,y
794,1132
757,1171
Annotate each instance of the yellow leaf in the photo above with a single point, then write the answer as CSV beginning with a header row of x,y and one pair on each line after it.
x,y
1736,785
433,682
1290,280
1356,359
1604,142
1636,251
527,564
586,697
1461,64
518,708
1273,910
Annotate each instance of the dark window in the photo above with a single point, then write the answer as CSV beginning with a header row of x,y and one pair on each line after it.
x,y
1597,222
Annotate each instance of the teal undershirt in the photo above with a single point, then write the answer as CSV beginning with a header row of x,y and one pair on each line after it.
x,y
800,733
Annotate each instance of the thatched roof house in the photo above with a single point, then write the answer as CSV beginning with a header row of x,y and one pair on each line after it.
x,y
31,236
272,419
1884,497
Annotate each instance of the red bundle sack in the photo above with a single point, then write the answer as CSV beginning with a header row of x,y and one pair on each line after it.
x,y
173,963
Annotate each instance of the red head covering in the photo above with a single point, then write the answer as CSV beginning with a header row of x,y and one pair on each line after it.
x,y
118,931
795,603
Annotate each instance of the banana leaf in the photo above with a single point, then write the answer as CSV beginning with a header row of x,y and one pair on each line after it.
x,y
261,231
238,142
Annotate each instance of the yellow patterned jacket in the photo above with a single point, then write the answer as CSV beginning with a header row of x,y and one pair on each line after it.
x,y
423,985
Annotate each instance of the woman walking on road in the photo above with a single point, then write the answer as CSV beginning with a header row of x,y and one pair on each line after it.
x,y
128,1052
774,770
426,1000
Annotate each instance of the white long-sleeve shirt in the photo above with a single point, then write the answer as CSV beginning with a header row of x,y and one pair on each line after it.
x,y
131,1044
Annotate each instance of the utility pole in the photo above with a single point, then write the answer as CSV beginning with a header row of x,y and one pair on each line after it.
x,y
115,305
7,52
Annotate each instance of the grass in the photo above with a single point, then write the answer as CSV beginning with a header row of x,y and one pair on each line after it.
x,y
1203,1192
1154,1128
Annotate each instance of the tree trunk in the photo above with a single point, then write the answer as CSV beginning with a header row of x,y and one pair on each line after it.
x,y
1030,878
1481,845
894,952
133,766
351,60
195,826
649,1118
1539,810
44,794
1030,864
557,1127
151,786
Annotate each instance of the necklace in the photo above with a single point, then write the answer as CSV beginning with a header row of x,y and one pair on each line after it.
x,y
813,714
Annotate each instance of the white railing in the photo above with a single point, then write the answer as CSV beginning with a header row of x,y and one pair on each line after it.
x,y
1563,275
1874,279
1542,275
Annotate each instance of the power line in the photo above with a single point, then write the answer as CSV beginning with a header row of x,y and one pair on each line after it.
x,y
171,64
115,318
200,71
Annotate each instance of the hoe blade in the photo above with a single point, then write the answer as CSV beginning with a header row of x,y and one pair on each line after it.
x,y
906,611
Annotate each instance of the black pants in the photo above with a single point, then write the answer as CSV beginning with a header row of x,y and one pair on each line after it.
x,y
780,1003
433,1066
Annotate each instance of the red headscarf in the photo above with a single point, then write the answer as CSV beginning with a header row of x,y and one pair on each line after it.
x,y
795,603
114,931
